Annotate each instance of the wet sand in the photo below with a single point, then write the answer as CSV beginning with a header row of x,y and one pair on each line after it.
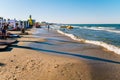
x,y
52,56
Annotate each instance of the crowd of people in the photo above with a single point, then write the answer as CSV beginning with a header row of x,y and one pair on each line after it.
x,y
5,27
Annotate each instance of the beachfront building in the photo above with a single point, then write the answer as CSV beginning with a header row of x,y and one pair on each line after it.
x,y
25,24
1,21
13,23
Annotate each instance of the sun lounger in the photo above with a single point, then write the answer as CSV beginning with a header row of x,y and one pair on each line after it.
x,y
2,47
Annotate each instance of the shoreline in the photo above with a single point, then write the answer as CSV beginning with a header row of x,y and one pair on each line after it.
x,y
109,47
57,58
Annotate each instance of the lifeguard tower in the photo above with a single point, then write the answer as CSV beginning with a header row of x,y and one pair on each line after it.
x,y
30,21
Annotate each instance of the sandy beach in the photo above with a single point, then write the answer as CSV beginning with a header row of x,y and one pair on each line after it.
x,y
57,58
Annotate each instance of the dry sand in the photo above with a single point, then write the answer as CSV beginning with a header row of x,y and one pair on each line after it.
x,y
65,60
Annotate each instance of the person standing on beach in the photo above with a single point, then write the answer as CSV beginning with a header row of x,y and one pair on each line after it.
x,y
4,31
48,27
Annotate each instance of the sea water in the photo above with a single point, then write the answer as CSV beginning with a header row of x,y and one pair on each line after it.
x,y
105,35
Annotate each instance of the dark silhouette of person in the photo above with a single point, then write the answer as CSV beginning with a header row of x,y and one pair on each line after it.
x,y
4,31
48,27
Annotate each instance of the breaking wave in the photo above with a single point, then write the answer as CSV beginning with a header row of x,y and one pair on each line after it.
x,y
99,43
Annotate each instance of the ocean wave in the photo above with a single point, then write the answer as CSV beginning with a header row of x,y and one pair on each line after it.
x,y
99,43
109,29
55,27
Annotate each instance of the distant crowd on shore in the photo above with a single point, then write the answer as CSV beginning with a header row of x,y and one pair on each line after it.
x,y
6,26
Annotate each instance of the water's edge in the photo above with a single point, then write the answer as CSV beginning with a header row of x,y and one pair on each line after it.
x,y
105,45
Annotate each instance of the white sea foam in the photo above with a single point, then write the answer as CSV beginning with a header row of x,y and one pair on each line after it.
x,y
105,45
109,29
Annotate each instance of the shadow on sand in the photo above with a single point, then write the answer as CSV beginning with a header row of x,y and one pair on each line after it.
x,y
60,40
67,53
6,50
38,42
1,64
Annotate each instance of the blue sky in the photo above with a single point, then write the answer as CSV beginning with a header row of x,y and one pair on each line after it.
x,y
63,11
